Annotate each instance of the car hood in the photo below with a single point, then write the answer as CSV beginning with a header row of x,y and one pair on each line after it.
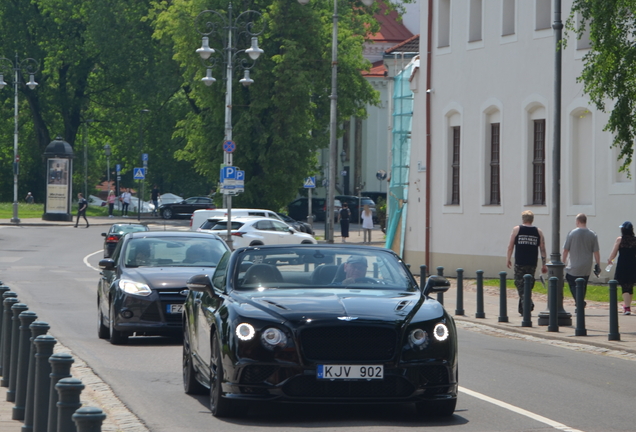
x,y
328,304
164,277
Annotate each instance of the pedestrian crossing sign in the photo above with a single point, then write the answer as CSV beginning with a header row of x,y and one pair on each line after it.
x,y
139,173
310,183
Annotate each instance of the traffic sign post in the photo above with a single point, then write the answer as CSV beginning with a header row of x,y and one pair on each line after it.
x,y
310,184
240,181
139,174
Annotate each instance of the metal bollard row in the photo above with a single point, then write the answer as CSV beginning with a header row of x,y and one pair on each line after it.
x,y
46,396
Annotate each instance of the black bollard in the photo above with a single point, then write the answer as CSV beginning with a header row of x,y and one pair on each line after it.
x,y
3,289
553,321
480,295
69,390
440,295
613,335
26,318
503,297
60,369
38,328
89,419
422,276
10,298
580,329
16,309
528,282
460,292
44,345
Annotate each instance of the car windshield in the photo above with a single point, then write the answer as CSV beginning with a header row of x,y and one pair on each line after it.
x,y
223,226
124,229
174,252
320,267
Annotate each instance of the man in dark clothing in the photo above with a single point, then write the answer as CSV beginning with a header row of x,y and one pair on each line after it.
x,y
525,241
155,199
82,204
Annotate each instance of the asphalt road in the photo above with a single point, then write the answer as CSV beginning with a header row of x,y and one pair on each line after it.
x,y
507,384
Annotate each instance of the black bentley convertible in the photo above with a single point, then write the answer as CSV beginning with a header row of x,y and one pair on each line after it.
x,y
318,323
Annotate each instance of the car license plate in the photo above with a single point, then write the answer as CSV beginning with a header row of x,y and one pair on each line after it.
x,y
175,308
350,372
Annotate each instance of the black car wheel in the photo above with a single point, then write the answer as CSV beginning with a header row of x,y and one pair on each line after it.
x,y
166,213
190,384
116,337
219,406
439,408
102,330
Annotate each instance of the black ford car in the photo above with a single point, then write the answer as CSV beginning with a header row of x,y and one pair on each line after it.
x,y
143,286
318,324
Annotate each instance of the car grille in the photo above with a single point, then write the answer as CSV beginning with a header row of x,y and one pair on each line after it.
x,y
349,343
433,375
309,386
257,374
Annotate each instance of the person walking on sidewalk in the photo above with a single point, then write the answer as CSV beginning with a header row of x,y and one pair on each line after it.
x,y
367,223
125,202
82,205
625,247
581,246
154,196
111,202
526,241
343,217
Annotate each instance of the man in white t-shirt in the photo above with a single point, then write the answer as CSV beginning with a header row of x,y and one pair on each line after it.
x,y
125,202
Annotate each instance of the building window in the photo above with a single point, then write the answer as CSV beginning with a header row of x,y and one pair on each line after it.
x,y
543,11
508,17
455,167
584,42
495,193
538,164
443,23
475,21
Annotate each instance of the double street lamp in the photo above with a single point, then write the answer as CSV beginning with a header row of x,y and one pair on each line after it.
x,y
29,66
333,129
233,31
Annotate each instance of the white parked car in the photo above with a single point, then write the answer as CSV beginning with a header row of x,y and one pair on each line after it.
x,y
253,231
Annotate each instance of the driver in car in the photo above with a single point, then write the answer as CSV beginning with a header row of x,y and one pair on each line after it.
x,y
355,269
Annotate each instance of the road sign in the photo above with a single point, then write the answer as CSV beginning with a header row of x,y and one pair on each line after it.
x,y
240,181
310,183
144,157
118,168
139,173
229,146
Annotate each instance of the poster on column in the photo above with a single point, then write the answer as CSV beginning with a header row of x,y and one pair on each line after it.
x,y
57,186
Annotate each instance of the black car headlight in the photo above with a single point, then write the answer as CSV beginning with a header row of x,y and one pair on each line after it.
x,y
440,332
273,337
418,338
132,287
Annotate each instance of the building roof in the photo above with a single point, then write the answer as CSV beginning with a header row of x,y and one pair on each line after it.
x,y
411,45
391,27
377,70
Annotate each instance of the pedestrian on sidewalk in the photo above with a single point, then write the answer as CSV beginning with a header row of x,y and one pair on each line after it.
x,y
625,247
82,205
581,246
526,241
367,223
29,198
125,202
154,196
343,217
111,202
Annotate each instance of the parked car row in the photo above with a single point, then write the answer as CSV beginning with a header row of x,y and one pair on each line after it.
x,y
299,208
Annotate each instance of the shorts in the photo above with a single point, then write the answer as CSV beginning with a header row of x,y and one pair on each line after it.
x,y
627,288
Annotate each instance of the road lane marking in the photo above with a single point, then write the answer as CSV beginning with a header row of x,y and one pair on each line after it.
x,y
88,264
537,417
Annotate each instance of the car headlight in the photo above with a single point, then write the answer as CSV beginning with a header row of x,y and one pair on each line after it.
x,y
132,287
273,337
245,331
418,339
440,332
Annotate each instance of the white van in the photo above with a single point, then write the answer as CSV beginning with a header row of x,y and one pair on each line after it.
x,y
200,216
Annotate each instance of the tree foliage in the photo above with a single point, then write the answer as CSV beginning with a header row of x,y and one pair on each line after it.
x,y
609,72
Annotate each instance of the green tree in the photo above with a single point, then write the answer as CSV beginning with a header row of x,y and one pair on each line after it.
x,y
609,75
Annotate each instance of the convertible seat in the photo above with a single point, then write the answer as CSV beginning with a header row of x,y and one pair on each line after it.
x,y
324,274
259,274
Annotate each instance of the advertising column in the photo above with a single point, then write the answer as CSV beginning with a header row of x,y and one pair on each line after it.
x,y
59,172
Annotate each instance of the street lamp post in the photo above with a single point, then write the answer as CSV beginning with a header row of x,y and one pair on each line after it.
x,y
31,66
85,138
141,150
333,129
107,152
233,31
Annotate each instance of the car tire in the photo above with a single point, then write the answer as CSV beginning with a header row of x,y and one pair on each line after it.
x,y
166,213
219,406
102,330
438,408
190,384
116,337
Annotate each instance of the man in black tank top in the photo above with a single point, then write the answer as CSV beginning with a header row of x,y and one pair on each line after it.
x,y
526,240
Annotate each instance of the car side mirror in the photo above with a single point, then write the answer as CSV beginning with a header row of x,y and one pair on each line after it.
x,y
107,264
104,234
435,284
200,283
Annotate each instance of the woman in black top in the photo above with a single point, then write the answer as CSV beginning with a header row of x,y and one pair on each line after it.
x,y
625,274
343,218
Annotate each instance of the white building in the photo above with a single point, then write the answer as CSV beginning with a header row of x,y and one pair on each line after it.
x,y
491,137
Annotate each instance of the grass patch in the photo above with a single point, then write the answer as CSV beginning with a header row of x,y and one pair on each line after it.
x,y
27,211
599,293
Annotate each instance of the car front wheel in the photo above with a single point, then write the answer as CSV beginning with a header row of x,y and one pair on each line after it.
x,y
167,213
190,383
219,406
102,330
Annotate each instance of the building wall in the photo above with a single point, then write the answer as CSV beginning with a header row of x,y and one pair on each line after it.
x,y
493,62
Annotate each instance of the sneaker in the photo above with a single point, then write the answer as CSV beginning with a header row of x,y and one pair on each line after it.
x,y
627,310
